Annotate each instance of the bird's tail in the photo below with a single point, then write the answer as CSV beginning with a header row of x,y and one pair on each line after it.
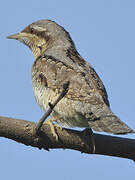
x,y
109,122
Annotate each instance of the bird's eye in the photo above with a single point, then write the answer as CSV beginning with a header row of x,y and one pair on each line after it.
x,y
32,30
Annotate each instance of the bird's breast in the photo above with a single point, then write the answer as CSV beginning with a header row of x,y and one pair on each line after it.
x,y
64,110
43,95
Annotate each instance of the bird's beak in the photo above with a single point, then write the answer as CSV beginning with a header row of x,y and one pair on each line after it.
x,y
15,36
18,36
22,37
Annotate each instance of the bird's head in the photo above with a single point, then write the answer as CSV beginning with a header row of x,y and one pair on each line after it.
x,y
43,35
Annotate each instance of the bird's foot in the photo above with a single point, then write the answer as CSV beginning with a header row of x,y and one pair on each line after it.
x,y
53,126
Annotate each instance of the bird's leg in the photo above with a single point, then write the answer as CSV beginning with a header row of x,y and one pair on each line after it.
x,y
52,126
91,142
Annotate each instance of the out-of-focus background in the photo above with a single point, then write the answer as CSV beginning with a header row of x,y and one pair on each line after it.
x,y
104,34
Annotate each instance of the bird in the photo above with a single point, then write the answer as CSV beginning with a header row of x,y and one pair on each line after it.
x,y
56,61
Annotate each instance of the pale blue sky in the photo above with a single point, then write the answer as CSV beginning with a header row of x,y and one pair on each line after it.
x,y
104,34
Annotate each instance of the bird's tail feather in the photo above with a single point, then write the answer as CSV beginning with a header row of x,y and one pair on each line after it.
x,y
110,123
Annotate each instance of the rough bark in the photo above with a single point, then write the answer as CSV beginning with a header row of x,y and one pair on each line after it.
x,y
22,131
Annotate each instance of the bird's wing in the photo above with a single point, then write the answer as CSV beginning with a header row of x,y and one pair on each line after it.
x,y
84,86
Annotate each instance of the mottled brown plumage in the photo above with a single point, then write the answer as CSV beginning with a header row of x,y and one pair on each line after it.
x,y
57,61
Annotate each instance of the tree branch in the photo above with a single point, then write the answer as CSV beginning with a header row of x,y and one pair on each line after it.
x,y
51,107
22,131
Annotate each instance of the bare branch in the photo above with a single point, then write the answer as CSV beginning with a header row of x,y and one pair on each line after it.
x,y
22,131
51,106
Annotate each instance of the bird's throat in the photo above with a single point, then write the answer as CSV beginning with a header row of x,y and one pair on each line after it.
x,y
38,50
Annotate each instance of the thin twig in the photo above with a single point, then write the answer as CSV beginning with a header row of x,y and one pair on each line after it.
x,y
51,106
